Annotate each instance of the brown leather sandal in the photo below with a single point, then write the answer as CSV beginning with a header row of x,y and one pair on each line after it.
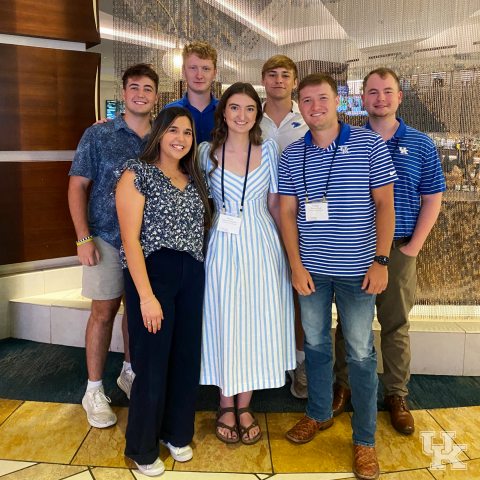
x,y
218,424
243,430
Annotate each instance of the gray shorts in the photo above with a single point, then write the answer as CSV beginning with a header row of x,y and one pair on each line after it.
x,y
105,280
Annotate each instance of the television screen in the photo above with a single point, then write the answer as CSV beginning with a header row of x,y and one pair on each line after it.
x,y
355,106
343,94
111,108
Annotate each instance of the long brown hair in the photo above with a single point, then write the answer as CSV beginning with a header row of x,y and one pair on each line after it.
x,y
189,164
220,131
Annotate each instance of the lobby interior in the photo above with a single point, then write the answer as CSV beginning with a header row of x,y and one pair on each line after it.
x,y
74,53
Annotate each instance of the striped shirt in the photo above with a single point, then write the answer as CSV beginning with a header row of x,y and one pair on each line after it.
x,y
345,244
419,173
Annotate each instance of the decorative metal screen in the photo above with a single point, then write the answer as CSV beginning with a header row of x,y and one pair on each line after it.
x,y
433,45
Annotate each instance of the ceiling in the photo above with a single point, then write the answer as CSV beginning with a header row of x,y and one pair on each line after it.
x,y
329,30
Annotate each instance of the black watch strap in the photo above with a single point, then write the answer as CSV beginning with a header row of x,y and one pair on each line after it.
x,y
381,259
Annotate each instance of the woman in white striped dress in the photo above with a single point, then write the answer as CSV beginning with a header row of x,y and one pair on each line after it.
x,y
248,318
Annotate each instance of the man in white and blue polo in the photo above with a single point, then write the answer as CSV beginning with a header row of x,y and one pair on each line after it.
x,y
338,220
418,198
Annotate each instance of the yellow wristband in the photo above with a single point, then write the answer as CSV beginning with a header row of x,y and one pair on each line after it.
x,y
81,242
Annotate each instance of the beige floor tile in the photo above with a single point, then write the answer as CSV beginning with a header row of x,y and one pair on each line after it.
x,y
81,476
465,421
45,471
330,451
43,432
9,466
403,452
198,476
104,447
472,472
112,474
313,476
212,455
407,475
7,407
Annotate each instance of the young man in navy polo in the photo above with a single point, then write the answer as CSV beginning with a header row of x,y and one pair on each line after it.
x,y
336,194
199,70
418,198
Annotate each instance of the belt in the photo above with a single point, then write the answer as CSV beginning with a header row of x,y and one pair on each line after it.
x,y
400,241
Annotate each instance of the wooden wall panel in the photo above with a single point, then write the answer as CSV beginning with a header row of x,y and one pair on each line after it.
x,y
34,217
47,97
71,20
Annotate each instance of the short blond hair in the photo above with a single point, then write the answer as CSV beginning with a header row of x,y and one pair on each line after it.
x,y
280,61
202,50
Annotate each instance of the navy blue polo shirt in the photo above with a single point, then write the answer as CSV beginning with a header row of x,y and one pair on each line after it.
x,y
343,245
203,120
419,173
102,149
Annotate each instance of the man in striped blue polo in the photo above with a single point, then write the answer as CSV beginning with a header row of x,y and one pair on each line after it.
x,y
338,220
418,198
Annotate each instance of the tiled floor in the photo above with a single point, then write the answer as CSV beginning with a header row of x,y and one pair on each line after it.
x,y
53,441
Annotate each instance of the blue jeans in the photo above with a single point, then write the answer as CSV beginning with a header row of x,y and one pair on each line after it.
x,y
356,309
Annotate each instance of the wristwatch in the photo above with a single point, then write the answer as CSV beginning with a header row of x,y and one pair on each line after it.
x,y
381,259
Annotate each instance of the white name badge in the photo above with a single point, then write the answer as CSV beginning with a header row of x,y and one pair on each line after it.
x,y
229,223
316,211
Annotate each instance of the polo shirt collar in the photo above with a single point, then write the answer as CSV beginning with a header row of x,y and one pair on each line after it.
x,y
119,123
211,106
344,135
401,130
294,109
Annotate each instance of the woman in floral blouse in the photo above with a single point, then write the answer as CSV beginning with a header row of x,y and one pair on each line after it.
x,y
162,204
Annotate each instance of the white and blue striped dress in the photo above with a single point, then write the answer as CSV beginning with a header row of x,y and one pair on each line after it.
x,y
248,315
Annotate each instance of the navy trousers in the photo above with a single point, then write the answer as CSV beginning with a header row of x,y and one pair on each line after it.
x,y
166,364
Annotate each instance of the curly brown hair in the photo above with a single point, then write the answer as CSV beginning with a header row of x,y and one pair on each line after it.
x,y
140,70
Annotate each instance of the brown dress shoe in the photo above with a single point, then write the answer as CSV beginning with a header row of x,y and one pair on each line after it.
x,y
305,429
340,398
365,464
400,415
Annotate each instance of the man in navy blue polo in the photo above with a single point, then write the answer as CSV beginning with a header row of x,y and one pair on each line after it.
x,y
418,198
338,219
199,70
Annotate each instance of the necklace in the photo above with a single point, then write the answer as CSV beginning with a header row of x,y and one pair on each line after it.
x,y
169,169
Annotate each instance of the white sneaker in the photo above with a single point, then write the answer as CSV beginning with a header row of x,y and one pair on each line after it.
x,y
125,380
180,454
96,404
156,468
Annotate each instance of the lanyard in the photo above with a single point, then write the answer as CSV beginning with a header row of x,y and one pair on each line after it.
x,y
396,148
337,141
244,183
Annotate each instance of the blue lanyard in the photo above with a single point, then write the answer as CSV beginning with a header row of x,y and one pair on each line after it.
x,y
244,183
337,142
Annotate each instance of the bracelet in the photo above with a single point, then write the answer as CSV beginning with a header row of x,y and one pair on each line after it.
x,y
144,303
84,240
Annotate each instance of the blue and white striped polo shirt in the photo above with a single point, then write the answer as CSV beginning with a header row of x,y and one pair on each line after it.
x,y
345,244
419,173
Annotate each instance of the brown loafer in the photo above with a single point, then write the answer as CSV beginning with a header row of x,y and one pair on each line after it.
x,y
341,396
305,429
365,464
402,419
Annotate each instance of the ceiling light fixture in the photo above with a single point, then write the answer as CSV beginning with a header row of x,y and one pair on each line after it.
x,y
136,38
243,16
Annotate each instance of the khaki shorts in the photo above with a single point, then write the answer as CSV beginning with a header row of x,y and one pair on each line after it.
x,y
105,280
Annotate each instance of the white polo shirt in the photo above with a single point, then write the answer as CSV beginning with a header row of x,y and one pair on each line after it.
x,y
292,128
